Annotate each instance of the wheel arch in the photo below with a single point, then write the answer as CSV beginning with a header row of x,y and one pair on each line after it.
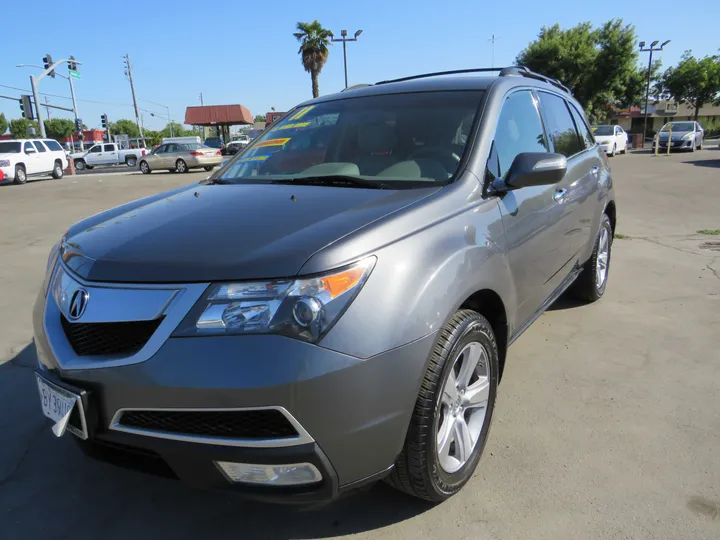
x,y
490,305
611,213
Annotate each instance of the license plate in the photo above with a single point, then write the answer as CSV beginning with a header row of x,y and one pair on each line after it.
x,y
57,402
209,153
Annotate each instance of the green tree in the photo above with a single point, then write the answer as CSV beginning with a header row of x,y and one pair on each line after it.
x,y
178,130
125,127
260,118
3,124
599,65
695,82
152,138
314,41
20,128
59,128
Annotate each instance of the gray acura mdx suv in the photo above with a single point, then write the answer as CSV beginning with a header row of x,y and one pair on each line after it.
x,y
334,305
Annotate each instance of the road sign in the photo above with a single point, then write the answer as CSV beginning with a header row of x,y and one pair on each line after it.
x,y
75,74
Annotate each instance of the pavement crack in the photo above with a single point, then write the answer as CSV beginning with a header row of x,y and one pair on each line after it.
x,y
709,267
26,451
648,239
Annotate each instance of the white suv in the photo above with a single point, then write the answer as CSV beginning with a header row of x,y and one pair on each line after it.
x,y
20,158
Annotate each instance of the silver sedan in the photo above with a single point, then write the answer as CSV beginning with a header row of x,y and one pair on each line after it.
x,y
181,158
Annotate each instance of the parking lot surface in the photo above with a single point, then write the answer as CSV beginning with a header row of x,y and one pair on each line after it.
x,y
607,424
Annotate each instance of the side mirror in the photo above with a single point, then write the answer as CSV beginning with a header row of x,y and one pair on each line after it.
x,y
536,169
29,151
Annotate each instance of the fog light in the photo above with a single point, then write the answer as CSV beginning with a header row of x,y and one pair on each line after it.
x,y
294,474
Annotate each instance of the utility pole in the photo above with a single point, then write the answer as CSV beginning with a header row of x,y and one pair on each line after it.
x,y
344,39
36,99
651,49
132,89
47,109
493,39
202,103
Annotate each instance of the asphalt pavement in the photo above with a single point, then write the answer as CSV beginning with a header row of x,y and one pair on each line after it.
x,y
607,424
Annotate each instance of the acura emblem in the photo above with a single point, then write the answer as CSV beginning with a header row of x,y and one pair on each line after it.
x,y
78,303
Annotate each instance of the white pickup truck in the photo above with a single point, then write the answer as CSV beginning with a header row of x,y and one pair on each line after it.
x,y
106,154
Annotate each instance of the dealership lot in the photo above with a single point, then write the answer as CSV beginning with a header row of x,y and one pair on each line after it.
x,y
607,424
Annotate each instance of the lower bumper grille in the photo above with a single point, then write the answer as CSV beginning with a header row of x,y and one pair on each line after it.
x,y
99,339
247,424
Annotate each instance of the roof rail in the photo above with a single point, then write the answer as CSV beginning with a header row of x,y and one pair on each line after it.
x,y
523,71
518,71
355,86
439,73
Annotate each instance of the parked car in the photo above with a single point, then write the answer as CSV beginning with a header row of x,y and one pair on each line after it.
x,y
215,142
612,139
234,147
22,158
180,158
334,305
685,136
107,154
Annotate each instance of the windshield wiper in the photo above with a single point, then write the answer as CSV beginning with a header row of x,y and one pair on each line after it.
x,y
332,180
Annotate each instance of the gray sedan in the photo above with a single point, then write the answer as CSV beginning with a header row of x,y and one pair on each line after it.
x,y
682,135
181,158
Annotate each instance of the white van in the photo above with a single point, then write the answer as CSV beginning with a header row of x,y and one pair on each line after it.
x,y
181,140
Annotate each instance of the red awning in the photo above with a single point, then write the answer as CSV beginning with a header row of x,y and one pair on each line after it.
x,y
214,115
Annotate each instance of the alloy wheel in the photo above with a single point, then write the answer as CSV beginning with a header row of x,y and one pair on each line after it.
x,y
463,407
603,255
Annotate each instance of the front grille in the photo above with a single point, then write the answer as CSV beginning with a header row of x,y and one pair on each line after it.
x,y
97,339
254,424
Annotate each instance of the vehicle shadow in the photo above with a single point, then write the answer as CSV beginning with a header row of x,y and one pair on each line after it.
x,y
49,489
566,301
712,163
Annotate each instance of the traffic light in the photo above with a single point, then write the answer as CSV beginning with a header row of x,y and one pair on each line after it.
x,y
104,120
47,61
26,108
72,64
78,125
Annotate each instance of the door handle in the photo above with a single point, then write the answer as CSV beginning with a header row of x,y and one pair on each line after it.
x,y
559,195
595,171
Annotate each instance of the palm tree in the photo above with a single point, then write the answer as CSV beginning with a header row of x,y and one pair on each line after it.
x,y
314,41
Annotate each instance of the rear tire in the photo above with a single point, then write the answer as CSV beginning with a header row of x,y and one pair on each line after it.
x,y
444,405
58,171
131,161
80,165
590,284
144,167
20,174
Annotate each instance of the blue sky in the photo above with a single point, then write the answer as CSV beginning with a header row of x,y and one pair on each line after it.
x,y
244,52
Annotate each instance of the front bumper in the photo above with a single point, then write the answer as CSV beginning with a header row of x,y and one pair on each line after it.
x,y
355,411
8,173
679,143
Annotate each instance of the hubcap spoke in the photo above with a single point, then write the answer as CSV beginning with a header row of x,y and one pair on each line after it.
x,y
470,358
463,440
478,394
445,439
450,393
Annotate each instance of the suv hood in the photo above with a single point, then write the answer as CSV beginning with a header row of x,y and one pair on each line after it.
x,y
9,156
223,232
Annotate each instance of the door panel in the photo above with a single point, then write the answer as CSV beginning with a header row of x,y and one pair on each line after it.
x,y
531,216
31,159
94,156
109,153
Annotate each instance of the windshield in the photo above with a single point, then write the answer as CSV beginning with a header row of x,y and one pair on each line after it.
x,y
678,126
396,139
9,147
604,130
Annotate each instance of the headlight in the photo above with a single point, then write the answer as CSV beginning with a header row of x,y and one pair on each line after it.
x,y
4,162
304,308
51,262
688,136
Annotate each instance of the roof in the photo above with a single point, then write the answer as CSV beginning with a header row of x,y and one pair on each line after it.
x,y
211,115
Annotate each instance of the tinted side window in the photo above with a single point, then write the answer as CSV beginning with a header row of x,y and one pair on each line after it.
x,y
560,125
54,146
96,149
161,149
109,148
28,146
583,128
40,146
518,130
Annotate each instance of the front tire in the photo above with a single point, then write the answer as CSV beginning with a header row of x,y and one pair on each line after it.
x,y
453,412
590,284
613,150
20,174
181,166
144,167
58,171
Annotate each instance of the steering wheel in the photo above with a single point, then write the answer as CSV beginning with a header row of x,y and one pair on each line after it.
x,y
445,156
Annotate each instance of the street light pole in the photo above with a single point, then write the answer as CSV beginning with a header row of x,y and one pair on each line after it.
x,y
344,40
650,49
75,110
